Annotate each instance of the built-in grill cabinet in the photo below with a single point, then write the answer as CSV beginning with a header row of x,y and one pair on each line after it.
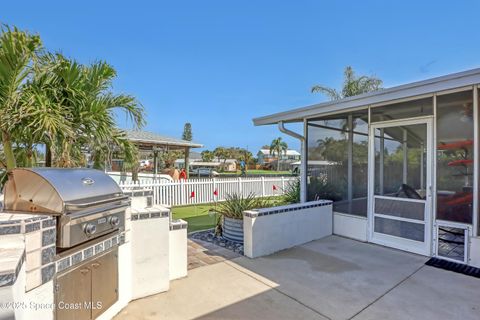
x,y
89,206
89,289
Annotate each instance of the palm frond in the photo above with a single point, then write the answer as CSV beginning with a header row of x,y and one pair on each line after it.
x,y
331,93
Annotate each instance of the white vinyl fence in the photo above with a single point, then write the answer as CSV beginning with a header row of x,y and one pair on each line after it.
x,y
197,191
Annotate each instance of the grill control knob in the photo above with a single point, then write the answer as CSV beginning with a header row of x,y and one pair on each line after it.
x,y
114,221
90,229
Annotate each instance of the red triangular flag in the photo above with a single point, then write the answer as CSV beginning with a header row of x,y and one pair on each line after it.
x,y
215,192
274,187
192,195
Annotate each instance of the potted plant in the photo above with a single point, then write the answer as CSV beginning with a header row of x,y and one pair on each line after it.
x,y
231,212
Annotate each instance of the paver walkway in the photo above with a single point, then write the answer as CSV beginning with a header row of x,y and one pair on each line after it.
x,y
202,253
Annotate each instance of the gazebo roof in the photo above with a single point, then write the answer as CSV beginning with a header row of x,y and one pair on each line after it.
x,y
148,141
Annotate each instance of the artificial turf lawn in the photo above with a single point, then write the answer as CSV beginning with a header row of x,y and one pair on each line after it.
x,y
196,216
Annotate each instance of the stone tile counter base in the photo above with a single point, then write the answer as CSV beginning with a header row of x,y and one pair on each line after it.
x,y
152,250
27,267
270,230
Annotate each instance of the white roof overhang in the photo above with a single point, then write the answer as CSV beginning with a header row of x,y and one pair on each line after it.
x,y
411,90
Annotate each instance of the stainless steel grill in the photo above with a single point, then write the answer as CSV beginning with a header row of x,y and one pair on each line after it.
x,y
87,203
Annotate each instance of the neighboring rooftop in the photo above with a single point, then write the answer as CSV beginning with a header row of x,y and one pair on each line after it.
x,y
419,88
147,140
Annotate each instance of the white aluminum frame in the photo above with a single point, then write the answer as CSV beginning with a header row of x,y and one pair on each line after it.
x,y
475,226
467,234
476,158
424,248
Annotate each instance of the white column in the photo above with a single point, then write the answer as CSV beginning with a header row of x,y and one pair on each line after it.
x,y
350,163
382,159
303,164
405,156
476,214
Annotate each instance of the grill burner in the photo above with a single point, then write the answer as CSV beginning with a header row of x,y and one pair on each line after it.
x,y
87,203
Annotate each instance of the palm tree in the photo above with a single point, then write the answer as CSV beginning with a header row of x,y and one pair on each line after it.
x,y
87,106
51,100
17,51
276,148
207,155
352,86
222,153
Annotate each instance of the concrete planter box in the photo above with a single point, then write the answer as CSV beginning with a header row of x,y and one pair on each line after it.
x,y
232,229
273,229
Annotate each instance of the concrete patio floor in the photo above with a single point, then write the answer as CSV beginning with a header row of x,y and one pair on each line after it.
x,y
332,278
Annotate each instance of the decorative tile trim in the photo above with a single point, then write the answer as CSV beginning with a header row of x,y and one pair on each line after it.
x,y
49,223
48,255
288,208
33,226
11,229
48,272
87,253
121,239
150,214
178,224
37,218
139,192
99,248
9,279
63,264
77,258
25,225
11,222
48,237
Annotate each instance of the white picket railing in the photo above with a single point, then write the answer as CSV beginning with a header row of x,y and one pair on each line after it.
x,y
197,191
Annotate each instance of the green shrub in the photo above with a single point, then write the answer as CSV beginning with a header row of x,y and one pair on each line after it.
x,y
292,193
235,204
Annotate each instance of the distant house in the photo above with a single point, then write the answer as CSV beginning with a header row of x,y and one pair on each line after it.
x,y
265,158
229,165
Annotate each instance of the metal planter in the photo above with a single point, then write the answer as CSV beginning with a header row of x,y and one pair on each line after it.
x,y
233,229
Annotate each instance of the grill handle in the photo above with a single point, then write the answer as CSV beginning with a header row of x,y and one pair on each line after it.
x,y
95,203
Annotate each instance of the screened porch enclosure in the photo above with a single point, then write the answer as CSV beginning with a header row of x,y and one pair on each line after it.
x,y
407,166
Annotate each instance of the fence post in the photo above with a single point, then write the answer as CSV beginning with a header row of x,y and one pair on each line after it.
x,y
215,188
263,186
240,189
183,194
283,184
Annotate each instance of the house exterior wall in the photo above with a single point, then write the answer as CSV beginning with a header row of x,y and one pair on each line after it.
x,y
350,226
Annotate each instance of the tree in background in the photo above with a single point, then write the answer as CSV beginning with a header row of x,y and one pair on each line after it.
x,y
187,132
224,153
87,107
352,86
221,153
246,156
276,148
17,52
207,155
69,107
169,157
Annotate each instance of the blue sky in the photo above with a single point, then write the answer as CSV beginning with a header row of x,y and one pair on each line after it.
x,y
218,64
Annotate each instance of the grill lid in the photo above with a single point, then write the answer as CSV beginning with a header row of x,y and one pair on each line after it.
x,y
57,190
